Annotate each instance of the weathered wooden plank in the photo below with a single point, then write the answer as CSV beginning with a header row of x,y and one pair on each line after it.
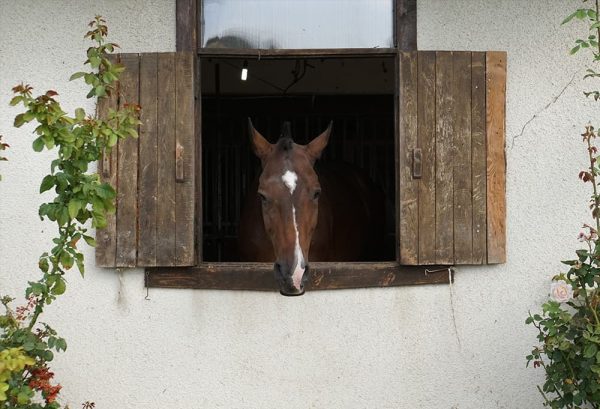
x,y
426,135
478,157
406,25
184,159
127,171
496,160
463,201
165,245
444,207
106,238
186,35
408,187
148,161
324,276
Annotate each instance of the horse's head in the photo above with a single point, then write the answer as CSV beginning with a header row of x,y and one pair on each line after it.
x,y
289,191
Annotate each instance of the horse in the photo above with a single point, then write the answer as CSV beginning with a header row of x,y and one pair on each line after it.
x,y
331,211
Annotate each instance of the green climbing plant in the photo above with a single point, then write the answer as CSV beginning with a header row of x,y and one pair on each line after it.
x,y
568,324
80,198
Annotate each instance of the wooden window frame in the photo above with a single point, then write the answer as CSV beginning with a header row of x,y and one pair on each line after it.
x,y
259,276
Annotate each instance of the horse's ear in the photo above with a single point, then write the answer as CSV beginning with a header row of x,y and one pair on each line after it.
x,y
262,148
316,146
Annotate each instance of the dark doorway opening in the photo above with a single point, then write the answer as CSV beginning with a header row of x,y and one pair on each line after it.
x,y
356,94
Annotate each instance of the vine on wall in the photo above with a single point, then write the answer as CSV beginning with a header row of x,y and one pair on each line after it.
x,y
27,345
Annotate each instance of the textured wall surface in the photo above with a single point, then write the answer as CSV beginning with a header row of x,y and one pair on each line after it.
x,y
414,347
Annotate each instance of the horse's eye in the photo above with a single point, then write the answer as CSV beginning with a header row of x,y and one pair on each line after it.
x,y
316,194
263,198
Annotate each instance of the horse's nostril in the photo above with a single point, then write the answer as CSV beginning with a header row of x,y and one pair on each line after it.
x,y
278,268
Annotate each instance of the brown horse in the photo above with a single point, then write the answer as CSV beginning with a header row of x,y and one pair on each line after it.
x,y
334,212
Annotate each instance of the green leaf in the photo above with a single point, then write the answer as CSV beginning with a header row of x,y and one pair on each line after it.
x,y
80,265
98,220
43,264
105,191
574,50
90,240
590,350
15,100
38,144
74,207
100,91
77,75
569,18
19,120
63,216
23,396
112,139
47,183
61,344
59,287
80,114
66,260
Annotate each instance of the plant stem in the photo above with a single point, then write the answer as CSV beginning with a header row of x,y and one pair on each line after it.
x,y
39,308
596,211
547,402
598,29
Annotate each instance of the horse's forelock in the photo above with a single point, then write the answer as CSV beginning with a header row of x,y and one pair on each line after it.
x,y
285,144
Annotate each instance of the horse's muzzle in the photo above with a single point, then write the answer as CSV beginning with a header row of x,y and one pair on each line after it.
x,y
286,286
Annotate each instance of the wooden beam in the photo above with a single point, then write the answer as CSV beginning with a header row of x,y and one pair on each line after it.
x,y
186,31
323,276
406,25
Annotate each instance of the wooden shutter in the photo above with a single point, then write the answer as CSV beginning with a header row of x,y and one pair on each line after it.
x,y
451,175
153,174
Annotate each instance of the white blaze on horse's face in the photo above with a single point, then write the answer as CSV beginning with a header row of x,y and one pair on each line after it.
x,y
290,179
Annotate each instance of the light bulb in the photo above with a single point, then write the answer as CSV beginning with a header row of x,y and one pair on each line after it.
x,y
245,71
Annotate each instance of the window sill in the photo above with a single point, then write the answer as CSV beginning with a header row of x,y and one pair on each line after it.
x,y
324,276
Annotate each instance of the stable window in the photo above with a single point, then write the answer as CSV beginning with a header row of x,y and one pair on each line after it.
x,y
427,126
289,24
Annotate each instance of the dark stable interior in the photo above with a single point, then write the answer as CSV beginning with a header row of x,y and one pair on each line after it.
x,y
347,92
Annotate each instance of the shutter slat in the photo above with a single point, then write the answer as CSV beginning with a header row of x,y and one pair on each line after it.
x,y
426,125
478,160
463,201
148,160
154,174
127,171
165,254
408,187
444,214
496,165
184,162
106,238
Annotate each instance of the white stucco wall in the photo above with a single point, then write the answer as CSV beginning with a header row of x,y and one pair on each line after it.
x,y
369,348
